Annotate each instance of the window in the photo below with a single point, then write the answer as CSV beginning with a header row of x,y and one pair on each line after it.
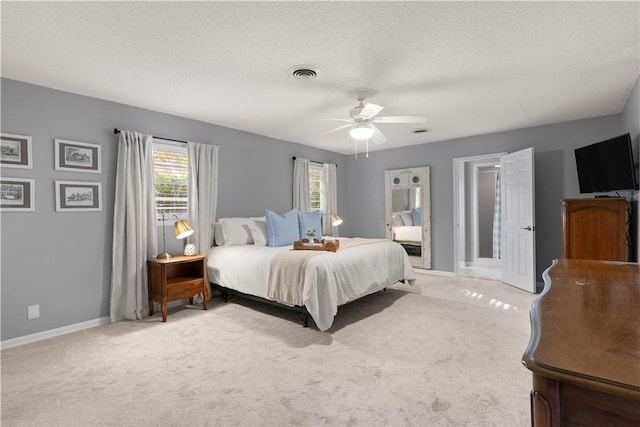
x,y
170,174
316,191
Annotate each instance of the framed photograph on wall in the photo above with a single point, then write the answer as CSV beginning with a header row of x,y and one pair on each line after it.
x,y
17,195
76,156
78,196
15,151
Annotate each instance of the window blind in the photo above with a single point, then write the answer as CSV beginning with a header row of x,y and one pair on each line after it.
x,y
170,174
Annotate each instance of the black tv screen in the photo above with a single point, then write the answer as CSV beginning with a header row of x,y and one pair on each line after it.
x,y
606,166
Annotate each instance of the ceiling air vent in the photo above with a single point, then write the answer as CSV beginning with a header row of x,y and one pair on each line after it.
x,y
303,72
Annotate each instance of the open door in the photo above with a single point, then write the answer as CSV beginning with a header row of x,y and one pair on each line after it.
x,y
518,246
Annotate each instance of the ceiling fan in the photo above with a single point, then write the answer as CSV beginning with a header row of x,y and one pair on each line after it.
x,y
363,121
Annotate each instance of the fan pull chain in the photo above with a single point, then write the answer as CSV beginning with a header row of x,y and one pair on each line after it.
x,y
367,148
355,147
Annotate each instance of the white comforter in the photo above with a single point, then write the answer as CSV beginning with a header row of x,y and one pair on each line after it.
x,y
331,279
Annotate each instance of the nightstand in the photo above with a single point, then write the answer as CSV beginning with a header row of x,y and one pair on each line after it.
x,y
179,277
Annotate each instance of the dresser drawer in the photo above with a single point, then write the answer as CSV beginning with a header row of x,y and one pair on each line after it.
x,y
185,287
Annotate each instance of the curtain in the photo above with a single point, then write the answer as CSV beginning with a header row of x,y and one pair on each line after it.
x,y
203,196
301,196
134,226
330,187
497,219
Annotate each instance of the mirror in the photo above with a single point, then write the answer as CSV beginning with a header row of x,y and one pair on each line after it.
x,y
408,212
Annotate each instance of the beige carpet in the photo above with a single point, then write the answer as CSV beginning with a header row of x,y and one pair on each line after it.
x,y
443,352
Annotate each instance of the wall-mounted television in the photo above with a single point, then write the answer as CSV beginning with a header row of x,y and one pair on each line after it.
x,y
606,166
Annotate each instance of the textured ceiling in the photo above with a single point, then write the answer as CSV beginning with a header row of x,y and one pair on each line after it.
x,y
470,67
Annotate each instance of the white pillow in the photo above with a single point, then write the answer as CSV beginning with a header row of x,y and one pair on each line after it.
x,y
407,219
236,231
258,229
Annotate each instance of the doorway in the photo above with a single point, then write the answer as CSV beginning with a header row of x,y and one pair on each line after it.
x,y
477,214
513,229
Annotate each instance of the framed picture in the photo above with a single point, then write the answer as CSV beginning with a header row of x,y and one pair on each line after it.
x,y
77,156
78,196
15,151
17,195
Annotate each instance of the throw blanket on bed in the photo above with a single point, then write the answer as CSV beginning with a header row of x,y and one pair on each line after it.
x,y
286,272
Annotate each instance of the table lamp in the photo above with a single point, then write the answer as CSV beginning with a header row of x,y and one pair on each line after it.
x,y
182,230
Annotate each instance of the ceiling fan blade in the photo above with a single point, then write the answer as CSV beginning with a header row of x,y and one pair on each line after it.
x,y
337,129
333,120
377,137
400,119
370,110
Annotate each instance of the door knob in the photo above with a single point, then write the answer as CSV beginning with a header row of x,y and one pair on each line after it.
x,y
529,228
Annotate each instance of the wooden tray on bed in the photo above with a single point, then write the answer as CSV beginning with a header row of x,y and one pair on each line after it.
x,y
316,245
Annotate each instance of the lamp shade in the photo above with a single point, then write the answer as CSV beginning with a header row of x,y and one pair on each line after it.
x,y
336,220
182,229
361,132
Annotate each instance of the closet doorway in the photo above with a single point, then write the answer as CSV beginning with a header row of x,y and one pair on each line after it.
x,y
509,226
477,213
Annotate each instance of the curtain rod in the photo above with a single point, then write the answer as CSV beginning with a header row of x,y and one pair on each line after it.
x,y
117,131
312,161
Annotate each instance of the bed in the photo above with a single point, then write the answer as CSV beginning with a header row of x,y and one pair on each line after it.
x,y
330,279
406,233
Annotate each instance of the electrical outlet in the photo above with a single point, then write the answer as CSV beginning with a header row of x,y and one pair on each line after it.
x,y
33,312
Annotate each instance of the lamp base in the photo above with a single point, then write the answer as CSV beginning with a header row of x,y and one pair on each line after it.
x,y
164,255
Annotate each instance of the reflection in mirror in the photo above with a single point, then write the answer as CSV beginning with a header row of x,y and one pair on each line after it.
x,y
406,219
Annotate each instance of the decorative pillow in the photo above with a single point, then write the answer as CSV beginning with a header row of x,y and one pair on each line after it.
x,y
282,230
416,215
406,218
310,224
236,231
396,220
258,229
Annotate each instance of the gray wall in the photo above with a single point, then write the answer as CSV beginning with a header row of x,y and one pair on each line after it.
x,y
62,261
555,178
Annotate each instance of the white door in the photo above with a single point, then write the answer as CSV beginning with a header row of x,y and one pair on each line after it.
x,y
518,244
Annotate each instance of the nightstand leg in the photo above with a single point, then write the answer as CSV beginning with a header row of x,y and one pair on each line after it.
x,y
164,311
206,298
151,307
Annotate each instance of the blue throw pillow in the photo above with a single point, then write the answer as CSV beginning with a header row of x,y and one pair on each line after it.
x,y
416,214
282,230
310,224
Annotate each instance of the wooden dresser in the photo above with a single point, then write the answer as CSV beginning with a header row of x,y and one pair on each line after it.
x,y
594,229
584,350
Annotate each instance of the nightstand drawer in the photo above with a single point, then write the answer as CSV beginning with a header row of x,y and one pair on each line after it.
x,y
184,287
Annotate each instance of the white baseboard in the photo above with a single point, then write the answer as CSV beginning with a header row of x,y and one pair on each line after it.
x,y
13,342
434,272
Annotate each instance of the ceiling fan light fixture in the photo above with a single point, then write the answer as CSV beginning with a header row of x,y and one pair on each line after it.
x,y
361,132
